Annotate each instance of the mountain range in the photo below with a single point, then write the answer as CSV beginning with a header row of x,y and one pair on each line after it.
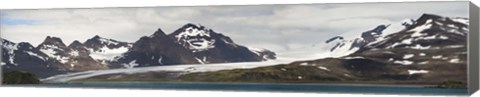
x,y
430,50
190,44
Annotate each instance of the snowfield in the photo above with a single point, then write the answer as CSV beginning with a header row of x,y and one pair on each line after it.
x,y
107,54
417,71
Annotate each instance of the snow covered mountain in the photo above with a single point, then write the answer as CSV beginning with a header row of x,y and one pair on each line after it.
x,y
209,46
104,49
24,57
430,50
190,44
72,57
342,47
430,39
154,50
429,31
431,47
53,57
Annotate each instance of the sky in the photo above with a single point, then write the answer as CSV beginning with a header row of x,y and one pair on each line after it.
x,y
274,27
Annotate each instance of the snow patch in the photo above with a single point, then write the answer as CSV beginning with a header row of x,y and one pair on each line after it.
x,y
355,57
405,41
437,57
36,55
424,62
438,23
106,53
160,60
461,20
256,50
391,59
418,46
454,46
408,56
451,26
323,68
131,64
456,60
422,54
72,66
12,60
304,64
417,71
403,62
426,38
443,37
417,30
300,77
444,58
74,53
199,61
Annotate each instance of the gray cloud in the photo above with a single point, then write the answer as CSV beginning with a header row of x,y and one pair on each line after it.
x,y
276,27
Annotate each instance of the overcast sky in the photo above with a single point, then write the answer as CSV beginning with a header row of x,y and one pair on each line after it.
x,y
275,27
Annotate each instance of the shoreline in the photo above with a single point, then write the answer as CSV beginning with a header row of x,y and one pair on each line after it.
x,y
357,84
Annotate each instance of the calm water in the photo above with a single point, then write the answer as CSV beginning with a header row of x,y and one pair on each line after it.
x,y
269,87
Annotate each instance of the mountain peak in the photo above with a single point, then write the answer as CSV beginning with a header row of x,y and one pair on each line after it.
x,y
53,38
159,32
50,40
96,37
194,37
75,43
192,26
25,45
427,16
198,26
6,42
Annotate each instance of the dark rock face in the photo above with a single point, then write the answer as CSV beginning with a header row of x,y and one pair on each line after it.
x,y
157,49
190,44
366,37
372,35
79,47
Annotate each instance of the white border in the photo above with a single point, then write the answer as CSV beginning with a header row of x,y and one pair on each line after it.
x,y
34,4
69,92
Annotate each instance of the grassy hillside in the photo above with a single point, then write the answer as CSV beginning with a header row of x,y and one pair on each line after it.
x,y
19,77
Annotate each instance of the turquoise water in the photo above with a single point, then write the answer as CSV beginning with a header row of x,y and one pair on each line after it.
x,y
268,87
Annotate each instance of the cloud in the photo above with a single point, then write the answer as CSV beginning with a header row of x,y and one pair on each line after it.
x,y
276,27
